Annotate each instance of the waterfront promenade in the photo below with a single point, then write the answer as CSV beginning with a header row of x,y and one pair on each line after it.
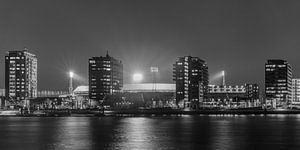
x,y
148,112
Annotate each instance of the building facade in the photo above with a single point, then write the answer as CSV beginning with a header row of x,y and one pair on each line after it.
x,y
278,82
20,75
233,96
191,78
48,93
252,91
296,90
224,96
105,76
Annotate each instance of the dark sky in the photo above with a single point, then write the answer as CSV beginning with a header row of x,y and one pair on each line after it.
x,y
236,36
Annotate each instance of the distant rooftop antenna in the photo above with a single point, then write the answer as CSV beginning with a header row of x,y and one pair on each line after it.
x,y
223,77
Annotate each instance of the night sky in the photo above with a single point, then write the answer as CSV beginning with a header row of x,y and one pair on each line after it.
x,y
235,36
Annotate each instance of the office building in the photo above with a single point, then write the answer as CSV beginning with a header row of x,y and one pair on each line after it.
x,y
105,76
278,82
295,90
20,75
191,78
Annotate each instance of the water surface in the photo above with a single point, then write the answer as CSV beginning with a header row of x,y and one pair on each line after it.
x,y
226,132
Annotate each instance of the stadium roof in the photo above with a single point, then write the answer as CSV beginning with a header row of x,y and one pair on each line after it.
x,y
81,90
142,87
149,87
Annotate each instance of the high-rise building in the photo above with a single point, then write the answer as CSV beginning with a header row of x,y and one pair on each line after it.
x,y
278,82
295,90
191,78
105,76
20,75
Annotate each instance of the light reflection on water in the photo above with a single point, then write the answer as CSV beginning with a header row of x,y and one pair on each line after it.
x,y
168,132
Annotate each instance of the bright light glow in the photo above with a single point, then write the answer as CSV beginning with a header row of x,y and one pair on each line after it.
x,y
223,73
137,77
217,77
71,74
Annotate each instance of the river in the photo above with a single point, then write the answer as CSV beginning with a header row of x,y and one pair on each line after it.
x,y
224,132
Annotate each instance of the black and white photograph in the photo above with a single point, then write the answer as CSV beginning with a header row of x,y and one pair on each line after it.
x,y
149,74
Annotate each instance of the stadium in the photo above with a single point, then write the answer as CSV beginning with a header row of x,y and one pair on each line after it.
x,y
146,95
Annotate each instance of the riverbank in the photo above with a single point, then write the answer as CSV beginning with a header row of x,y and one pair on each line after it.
x,y
200,112
156,112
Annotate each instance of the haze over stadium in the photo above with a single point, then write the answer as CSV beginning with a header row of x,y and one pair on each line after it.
x,y
228,35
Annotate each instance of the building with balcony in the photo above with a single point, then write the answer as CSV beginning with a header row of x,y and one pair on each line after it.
x,y
226,96
191,78
296,90
105,76
20,75
278,82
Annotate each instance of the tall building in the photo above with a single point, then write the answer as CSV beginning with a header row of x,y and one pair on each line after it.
x,y
278,82
191,77
105,76
295,90
20,75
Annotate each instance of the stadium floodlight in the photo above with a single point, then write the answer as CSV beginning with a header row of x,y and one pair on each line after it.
x,y
137,77
71,74
154,69
223,77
